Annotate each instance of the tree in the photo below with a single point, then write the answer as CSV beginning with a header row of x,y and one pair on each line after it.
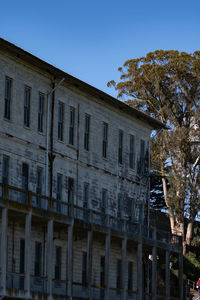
x,y
166,85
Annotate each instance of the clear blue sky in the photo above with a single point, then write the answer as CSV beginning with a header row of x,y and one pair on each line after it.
x,y
91,39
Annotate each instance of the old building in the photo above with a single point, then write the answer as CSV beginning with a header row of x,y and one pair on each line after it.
x,y
74,165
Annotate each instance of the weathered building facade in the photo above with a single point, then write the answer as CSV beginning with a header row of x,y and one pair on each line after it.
x,y
74,166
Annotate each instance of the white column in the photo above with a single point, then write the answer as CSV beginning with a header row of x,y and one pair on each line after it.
x,y
50,259
27,258
124,267
167,274
89,264
107,264
69,260
4,228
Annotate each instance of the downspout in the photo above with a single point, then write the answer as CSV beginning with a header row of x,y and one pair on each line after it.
x,y
51,155
48,133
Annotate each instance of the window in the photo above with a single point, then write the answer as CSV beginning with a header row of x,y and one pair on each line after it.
x,y
105,140
120,149
130,275
119,271
70,190
86,195
102,270
87,132
5,169
25,176
59,187
58,263
84,268
60,120
104,201
41,112
38,259
102,277
39,181
142,156
8,87
132,152
119,206
27,98
71,125
39,186
22,254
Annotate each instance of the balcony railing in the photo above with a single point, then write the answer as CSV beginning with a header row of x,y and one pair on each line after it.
x,y
43,203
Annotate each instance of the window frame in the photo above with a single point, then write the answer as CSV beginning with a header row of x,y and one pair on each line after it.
x,y
7,97
27,100
87,132
105,140
71,125
5,169
120,147
131,151
60,120
41,103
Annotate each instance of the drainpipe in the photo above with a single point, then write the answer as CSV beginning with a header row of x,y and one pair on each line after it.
x,y
47,136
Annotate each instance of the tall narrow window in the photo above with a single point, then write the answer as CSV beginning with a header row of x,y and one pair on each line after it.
x,y
105,140
39,181
21,263
38,259
21,258
27,98
25,176
132,152
59,187
5,169
40,112
84,268
104,201
119,272
39,187
119,206
130,275
71,125
86,195
70,190
102,270
60,120
142,156
120,149
87,132
8,87
58,263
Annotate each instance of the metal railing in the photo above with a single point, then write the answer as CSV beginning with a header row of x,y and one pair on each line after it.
x,y
27,198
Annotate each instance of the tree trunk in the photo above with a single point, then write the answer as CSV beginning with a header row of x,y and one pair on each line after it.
x,y
189,233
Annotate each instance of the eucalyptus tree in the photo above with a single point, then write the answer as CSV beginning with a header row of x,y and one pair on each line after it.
x,y
166,86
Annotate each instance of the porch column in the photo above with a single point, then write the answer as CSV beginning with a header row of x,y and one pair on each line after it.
x,y
124,267
50,259
70,260
89,263
180,262
139,265
4,229
167,274
154,267
107,264
27,258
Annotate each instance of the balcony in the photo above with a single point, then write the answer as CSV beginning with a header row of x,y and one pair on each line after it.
x,y
24,200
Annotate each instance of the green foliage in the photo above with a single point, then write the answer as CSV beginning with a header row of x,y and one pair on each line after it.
x,y
166,86
191,267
